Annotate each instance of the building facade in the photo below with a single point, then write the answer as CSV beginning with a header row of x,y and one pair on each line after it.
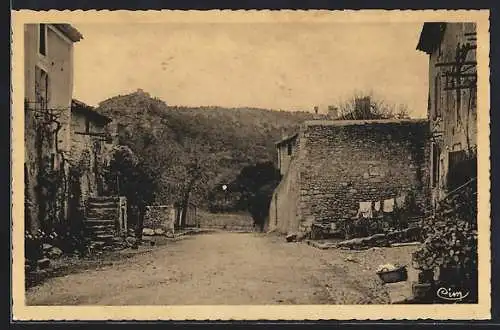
x,y
452,104
92,142
286,148
48,62
338,164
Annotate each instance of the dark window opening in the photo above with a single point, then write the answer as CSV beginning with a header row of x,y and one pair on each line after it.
x,y
42,47
41,87
289,149
53,161
435,164
473,100
87,126
461,169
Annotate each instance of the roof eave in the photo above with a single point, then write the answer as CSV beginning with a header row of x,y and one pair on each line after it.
x,y
69,31
79,106
430,36
285,140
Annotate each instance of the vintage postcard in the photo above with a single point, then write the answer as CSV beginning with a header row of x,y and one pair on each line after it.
x,y
251,165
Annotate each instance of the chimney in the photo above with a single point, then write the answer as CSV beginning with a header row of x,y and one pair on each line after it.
x,y
316,108
333,112
283,133
362,107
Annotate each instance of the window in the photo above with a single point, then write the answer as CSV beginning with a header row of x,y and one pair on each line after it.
x,y
289,151
41,87
87,125
460,169
52,161
42,39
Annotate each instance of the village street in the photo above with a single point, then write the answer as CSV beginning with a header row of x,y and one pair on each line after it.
x,y
226,268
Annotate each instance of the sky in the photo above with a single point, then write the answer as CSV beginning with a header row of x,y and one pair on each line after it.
x,y
287,66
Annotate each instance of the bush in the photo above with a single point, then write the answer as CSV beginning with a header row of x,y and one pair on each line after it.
x,y
450,245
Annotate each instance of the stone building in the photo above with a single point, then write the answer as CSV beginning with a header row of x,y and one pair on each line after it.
x,y
285,148
336,165
452,103
91,143
48,65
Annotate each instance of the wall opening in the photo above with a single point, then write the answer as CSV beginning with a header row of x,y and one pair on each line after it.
x,y
461,169
87,125
289,149
41,87
437,96
435,164
42,39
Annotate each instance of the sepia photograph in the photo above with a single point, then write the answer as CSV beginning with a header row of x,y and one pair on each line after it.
x,y
262,161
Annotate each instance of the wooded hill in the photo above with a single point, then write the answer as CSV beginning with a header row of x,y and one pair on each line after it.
x,y
163,137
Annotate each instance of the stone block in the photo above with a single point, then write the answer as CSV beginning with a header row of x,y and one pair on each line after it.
x,y
43,263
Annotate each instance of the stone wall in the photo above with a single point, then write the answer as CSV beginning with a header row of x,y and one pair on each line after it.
x,y
160,217
227,221
90,152
341,163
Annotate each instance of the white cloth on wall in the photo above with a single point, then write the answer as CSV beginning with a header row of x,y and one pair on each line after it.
x,y
400,201
377,206
365,209
389,205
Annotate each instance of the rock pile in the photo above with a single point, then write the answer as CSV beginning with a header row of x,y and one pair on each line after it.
x,y
382,240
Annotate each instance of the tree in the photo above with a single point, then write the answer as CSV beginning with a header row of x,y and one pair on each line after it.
x,y
190,176
364,105
127,176
256,184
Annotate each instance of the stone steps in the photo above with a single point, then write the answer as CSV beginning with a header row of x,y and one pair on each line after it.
x,y
101,227
102,205
104,237
101,220
92,222
103,199
101,213
96,232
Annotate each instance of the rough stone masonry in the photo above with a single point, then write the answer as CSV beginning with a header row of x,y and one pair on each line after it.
x,y
339,163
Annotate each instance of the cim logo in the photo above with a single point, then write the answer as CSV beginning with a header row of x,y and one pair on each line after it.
x,y
451,294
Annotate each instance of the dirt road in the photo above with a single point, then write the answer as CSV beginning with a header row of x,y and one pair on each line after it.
x,y
220,268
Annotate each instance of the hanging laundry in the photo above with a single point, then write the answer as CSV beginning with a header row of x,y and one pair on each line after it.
x,y
400,201
376,206
365,209
389,205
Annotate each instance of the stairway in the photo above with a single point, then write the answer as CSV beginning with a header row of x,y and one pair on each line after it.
x,y
105,219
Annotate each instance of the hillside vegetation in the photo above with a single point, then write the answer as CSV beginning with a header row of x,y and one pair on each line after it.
x,y
213,144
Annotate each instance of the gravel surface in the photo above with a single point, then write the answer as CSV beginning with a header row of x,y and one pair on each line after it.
x,y
227,268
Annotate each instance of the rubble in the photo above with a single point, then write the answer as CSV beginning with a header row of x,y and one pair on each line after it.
x,y
43,263
54,252
404,237
159,231
130,240
148,232
291,237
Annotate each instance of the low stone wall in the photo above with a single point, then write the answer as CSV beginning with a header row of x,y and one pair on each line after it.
x,y
227,221
160,217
